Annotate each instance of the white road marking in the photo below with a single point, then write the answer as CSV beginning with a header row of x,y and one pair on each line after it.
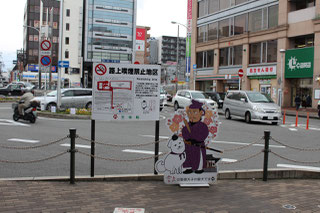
x,y
317,169
140,151
5,122
228,160
77,146
293,129
23,140
243,144
222,142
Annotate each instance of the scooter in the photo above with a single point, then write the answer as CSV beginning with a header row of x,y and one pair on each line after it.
x,y
30,113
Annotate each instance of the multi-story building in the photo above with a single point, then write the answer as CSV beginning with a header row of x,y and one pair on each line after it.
x,y
142,45
168,49
72,42
275,43
109,33
31,35
153,50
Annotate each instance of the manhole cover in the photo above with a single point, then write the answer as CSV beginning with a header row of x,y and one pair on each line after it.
x,y
289,206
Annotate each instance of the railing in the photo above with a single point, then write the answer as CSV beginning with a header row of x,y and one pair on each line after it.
x,y
73,136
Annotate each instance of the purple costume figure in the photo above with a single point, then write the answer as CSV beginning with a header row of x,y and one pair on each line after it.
x,y
196,135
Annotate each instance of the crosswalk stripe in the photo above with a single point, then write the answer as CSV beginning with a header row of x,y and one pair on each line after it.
x,y
23,140
317,169
77,146
140,151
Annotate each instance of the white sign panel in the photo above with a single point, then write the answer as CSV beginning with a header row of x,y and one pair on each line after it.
x,y
126,92
259,71
140,45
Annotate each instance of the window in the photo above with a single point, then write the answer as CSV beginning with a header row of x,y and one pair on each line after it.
x,y
224,28
273,16
66,54
199,59
213,31
240,24
255,21
224,4
213,6
68,13
240,1
210,58
67,40
67,26
202,8
263,52
202,32
230,56
205,59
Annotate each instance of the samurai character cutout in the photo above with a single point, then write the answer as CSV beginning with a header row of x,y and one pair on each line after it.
x,y
195,128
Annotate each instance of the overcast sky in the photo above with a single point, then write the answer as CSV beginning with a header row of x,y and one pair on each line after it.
x,y
155,14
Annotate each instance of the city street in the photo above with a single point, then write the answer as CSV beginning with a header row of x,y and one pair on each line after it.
x,y
233,134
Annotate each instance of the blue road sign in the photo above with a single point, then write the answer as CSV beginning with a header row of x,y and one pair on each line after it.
x,y
64,64
45,60
194,66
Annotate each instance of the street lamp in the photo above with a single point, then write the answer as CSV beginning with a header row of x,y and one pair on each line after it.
x,y
282,51
39,39
177,57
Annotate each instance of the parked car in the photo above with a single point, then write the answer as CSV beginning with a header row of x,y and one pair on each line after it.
x,y
163,96
183,98
251,105
70,98
216,97
12,90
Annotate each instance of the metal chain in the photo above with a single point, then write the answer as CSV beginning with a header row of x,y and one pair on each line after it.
x,y
123,145
241,160
295,161
33,147
242,147
119,160
296,148
34,161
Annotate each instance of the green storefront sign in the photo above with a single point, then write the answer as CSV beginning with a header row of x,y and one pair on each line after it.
x,y
299,63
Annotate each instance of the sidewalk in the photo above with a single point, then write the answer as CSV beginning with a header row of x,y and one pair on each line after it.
x,y
104,195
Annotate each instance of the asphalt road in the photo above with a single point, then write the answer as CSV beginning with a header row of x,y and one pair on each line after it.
x,y
233,134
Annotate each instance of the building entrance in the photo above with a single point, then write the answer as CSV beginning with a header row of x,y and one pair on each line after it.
x,y
302,88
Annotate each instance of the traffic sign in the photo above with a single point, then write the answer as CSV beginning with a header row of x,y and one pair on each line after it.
x,y
45,60
45,45
240,73
64,64
101,69
45,52
194,66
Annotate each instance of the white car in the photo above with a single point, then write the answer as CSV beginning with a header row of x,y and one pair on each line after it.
x,y
183,99
70,98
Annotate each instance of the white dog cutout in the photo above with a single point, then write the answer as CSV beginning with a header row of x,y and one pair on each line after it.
x,y
174,160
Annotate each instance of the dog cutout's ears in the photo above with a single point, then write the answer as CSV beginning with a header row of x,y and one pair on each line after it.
x,y
173,138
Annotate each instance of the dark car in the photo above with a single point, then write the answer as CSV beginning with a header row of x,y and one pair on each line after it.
x,y
216,97
12,90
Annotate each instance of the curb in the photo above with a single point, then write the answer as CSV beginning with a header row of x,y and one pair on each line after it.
x,y
63,116
224,175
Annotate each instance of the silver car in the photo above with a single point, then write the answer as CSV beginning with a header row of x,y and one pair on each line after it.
x,y
70,98
251,105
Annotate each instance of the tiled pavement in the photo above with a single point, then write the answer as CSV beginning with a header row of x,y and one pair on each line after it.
x,y
154,196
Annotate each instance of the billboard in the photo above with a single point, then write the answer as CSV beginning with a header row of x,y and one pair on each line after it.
x,y
140,39
299,63
126,92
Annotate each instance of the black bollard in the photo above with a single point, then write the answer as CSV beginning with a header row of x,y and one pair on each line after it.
x,y
266,154
93,137
72,155
156,151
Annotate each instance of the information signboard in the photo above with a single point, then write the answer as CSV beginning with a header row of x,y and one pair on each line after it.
x,y
126,92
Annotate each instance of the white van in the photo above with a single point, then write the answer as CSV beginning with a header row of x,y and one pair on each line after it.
x,y
251,105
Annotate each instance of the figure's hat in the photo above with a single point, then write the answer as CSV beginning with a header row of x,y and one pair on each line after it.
x,y
195,105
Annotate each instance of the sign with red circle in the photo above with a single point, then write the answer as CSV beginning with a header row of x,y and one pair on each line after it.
x,y
45,60
101,69
136,62
45,45
240,73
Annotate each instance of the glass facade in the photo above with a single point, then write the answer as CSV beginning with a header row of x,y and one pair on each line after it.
x,y
110,30
205,59
207,7
230,56
263,52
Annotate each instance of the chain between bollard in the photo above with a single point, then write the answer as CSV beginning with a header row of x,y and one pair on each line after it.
x,y
296,148
241,160
34,161
242,147
295,161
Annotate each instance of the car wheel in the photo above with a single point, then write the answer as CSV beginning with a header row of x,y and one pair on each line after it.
x,y
227,114
176,106
274,123
248,117
89,106
51,105
15,117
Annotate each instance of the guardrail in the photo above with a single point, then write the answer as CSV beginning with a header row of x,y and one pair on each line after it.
x,y
73,137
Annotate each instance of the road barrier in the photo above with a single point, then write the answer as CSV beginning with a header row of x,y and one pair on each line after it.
x,y
73,137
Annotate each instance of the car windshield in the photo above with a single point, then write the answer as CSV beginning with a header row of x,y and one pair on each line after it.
x,y
199,95
257,97
52,94
27,84
162,91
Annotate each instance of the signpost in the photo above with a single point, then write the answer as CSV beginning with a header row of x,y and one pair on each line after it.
x,y
240,73
64,64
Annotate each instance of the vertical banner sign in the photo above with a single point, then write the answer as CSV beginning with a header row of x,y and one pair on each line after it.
x,y
126,92
189,31
191,158
140,39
